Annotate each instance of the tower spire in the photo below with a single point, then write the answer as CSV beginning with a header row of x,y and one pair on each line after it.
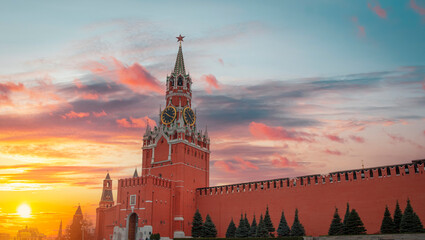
x,y
179,66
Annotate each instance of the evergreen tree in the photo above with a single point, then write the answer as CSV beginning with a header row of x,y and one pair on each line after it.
x,y
247,225
253,229
344,223
242,231
387,225
197,229
283,229
209,230
336,227
268,222
297,228
231,230
410,222
261,228
354,224
397,217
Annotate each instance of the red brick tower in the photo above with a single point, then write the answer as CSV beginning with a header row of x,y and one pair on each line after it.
x,y
107,199
176,149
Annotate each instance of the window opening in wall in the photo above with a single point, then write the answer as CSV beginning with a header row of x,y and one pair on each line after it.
x,y
294,183
379,172
132,200
416,168
331,180
388,171
308,180
354,175
287,182
274,184
362,174
323,180
268,185
262,186
371,173
406,169
255,186
281,183
315,179
301,181
346,176
338,177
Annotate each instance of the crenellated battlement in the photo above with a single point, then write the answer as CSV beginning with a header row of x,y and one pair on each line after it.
x,y
143,180
415,167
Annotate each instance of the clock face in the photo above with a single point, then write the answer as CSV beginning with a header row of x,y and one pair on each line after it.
x,y
189,116
168,115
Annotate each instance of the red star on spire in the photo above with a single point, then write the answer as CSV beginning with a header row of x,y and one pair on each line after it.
x,y
180,38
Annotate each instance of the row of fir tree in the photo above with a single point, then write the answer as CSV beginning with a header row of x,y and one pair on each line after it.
x,y
407,222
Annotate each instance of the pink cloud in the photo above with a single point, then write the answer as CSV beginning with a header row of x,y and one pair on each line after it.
x,y
361,29
245,164
335,138
78,83
262,131
417,8
283,162
333,152
99,114
401,139
221,61
357,139
136,77
90,96
378,10
226,166
7,88
211,81
135,122
73,114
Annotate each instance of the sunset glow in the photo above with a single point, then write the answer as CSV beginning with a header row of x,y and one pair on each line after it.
x,y
24,210
284,88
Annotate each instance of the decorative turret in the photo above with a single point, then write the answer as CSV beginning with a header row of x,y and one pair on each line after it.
x,y
107,199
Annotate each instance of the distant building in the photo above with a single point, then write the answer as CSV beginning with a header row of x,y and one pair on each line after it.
x,y
80,229
60,236
4,236
29,234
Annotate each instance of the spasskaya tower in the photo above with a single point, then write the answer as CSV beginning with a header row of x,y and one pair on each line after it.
x,y
176,149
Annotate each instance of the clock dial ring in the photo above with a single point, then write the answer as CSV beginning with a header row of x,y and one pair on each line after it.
x,y
189,116
168,115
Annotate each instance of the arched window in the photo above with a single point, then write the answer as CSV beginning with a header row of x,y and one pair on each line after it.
x,y
371,173
397,170
180,81
354,175
379,172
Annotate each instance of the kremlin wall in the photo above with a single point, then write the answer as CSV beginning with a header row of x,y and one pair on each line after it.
x,y
316,196
174,182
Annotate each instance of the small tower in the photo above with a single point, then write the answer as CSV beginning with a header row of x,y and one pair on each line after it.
x,y
107,199
60,232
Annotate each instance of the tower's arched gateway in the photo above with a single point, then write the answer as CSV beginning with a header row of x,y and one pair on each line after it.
x,y
132,226
175,182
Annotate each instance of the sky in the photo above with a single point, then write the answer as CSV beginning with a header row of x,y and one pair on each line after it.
x,y
286,88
